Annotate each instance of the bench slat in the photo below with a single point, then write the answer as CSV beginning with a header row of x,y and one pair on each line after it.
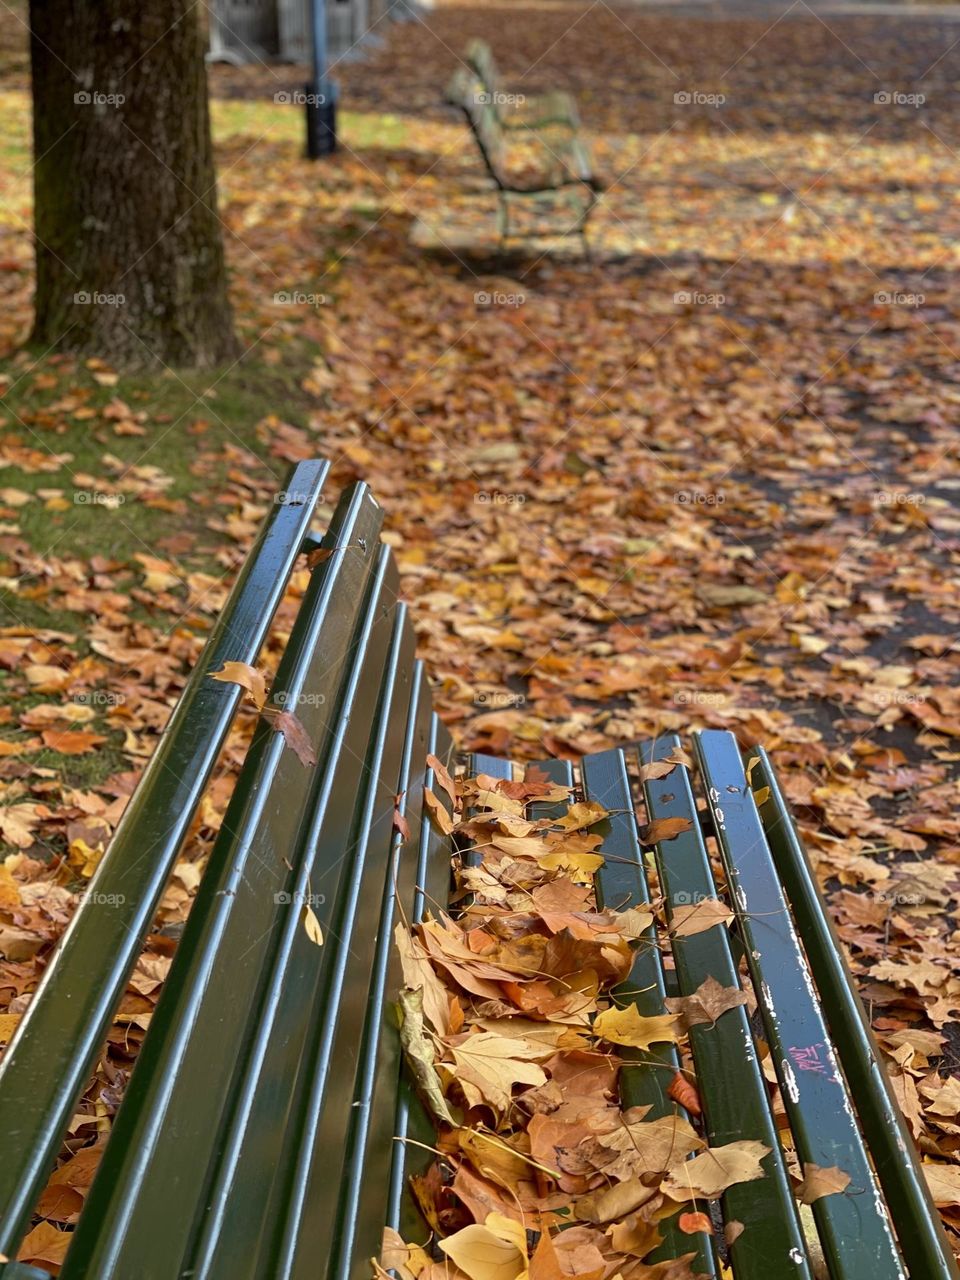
x,y
54,1049
412,1122
772,1245
360,1217
853,1225
923,1242
559,771
622,883
204,1026
304,1229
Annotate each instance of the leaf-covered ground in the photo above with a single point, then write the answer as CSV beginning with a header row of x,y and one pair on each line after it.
x,y
708,479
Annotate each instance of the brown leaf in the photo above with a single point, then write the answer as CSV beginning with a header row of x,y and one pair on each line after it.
x,y
45,1243
555,1259
656,769
445,780
818,1182
72,742
706,1004
663,829
489,1066
684,1094
944,1183
295,735
437,812
247,677
400,822
698,917
612,1203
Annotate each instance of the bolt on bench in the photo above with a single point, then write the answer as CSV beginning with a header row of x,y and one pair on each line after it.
x,y
258,1134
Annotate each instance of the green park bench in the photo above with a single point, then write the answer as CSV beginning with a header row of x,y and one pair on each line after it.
x,y
562,164
519,111
258,1133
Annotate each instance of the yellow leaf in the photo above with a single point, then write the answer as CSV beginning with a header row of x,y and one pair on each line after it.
x,y
311,924
17,822
627,1026
583,814
9,890
709,1174
582,867
85,859
406,1260
8,1025
488,1066
484,1253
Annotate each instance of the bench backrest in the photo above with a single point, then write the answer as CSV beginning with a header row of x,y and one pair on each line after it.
x,y
479,57
257,1127
477,104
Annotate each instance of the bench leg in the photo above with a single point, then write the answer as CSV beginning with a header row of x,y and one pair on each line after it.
x,y
582,224
503,219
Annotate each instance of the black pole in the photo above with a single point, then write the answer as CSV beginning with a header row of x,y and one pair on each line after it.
x,y
321,92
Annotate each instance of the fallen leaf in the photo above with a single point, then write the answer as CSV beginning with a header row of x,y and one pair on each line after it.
x,y
496,1250
699,916
818,1182
489,1066
706,1004
72,742
694,1223
419,1051
662,829
709,1174
311,924
627,1026
684,1094
444,778
583,814
294,735
437,812
944,1183
247,677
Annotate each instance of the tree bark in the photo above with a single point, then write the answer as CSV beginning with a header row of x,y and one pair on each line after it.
x,y
130,263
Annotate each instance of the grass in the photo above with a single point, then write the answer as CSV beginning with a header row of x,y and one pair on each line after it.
x,y
105,468
189,420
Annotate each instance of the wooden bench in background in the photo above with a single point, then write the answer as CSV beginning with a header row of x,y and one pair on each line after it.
x,y
561,164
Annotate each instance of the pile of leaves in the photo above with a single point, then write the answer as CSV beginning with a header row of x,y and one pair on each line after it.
x,y
511,1022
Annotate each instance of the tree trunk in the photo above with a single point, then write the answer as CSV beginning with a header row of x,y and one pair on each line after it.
x,y
129,251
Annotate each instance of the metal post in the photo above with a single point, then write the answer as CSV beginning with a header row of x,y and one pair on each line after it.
x,y
321,94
